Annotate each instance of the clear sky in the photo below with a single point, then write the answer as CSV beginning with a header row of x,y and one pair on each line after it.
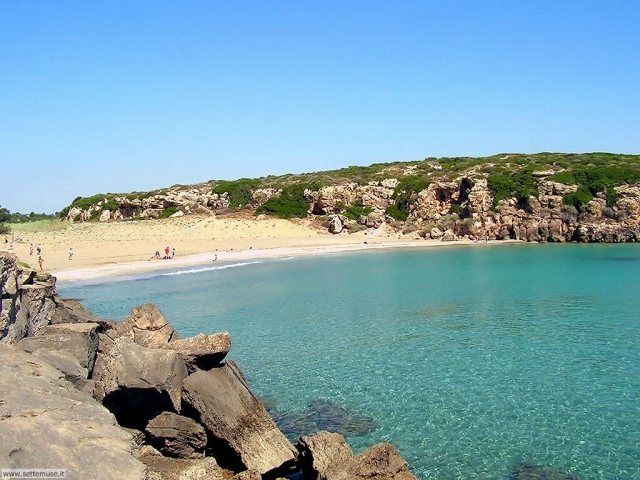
x,y
116,96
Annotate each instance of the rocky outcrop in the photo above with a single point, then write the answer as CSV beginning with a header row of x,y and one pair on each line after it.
x,y
230,411
30,302
326,456
46,423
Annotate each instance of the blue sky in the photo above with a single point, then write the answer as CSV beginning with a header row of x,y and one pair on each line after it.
x,y
117,96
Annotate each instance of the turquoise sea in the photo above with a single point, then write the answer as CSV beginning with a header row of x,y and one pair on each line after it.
x,y
470,359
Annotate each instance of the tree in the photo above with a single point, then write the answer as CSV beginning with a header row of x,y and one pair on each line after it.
x,y
5,215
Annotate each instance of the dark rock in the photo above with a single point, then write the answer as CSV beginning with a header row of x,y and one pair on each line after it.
x,y
527,471
137,383
223,402
323,414
46,423
177,436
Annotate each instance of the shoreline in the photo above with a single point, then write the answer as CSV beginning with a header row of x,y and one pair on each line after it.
x,y
103,251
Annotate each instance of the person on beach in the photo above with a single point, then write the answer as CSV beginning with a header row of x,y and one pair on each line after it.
x,y
31,249
70,253
40,261
39,249
166,253
173,252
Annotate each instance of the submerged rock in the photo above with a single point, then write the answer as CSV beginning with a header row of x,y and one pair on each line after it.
x,y
323,414
527,471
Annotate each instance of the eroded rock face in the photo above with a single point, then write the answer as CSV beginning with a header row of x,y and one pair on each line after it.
x,y
44,424
230,411
29,302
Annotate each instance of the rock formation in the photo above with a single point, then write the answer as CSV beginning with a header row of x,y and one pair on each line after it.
x,y
464,206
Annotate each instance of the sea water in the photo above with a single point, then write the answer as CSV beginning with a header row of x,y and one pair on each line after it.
x,y
470,360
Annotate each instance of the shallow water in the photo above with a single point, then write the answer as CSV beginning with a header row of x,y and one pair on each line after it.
x,y
469,359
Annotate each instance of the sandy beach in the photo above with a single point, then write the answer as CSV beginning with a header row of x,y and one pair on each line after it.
x,y
123,248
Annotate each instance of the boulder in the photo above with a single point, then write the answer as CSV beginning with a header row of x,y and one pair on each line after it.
x,y
327,456
231,412
202,351
323,455
150,327
46,423
136,383
177,436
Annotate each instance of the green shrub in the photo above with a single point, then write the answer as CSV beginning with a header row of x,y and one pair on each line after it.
x,y
404,196
290,204
521,185
356,211
240,192
578,198
4,229
167,212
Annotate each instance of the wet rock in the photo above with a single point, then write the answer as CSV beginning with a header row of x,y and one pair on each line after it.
x,y
223,402
177,436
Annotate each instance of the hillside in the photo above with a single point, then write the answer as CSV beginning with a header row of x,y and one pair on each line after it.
x,y
558,197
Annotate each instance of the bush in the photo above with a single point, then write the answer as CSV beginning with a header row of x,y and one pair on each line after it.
x,y
580,197
404,196
240,192
167,212
4,229
520,185
290,204
356,211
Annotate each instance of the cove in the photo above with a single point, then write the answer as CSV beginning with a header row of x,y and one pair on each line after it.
x,y
470,360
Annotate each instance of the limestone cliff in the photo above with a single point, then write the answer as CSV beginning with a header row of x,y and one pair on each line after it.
x,y
539,198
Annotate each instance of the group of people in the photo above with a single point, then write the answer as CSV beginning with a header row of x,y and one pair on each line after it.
x,y
38,249
168,254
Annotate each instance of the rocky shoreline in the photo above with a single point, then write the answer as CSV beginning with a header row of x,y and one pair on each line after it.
x,y
131,399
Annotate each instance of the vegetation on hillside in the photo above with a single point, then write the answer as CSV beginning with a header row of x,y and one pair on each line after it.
x,y
509,176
